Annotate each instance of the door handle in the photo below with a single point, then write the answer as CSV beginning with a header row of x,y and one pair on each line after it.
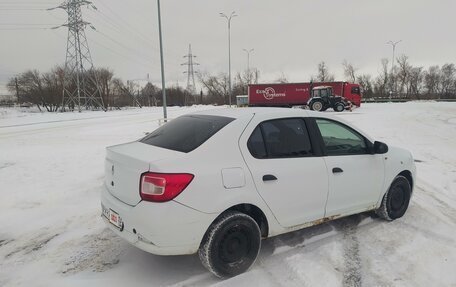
x,y
269,177
337,170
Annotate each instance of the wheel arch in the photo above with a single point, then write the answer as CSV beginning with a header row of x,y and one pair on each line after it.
x,y
408,175
253,211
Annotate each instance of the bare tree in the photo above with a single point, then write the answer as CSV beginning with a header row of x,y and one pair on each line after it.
x,y
447,79
150,93
349,71
416,77
432,80
382,80
402,75
282,79
365,81
242,80
42,90
323,74
105,76
216,86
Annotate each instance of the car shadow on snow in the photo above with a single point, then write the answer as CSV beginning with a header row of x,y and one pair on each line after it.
x,y
311,234
186,270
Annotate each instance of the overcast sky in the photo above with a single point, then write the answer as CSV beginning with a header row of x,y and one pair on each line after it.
x,y
289,37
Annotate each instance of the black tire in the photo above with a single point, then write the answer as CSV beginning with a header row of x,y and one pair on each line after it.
x,y
339,107
316,106
395,202
230,245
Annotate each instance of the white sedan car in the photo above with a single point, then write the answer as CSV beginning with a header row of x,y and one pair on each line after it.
x,y
217,182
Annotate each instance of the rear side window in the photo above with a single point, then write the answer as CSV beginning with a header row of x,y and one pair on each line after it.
x,y
186,133
256,144
282,138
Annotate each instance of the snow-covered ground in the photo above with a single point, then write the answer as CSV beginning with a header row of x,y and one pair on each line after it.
x,y
51,172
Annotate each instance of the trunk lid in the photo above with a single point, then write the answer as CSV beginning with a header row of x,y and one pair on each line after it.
x,y
124,165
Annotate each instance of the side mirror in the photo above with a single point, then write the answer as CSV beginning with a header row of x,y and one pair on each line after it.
x,y
380,148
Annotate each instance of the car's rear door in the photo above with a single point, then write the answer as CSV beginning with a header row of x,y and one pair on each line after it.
x,y
288,173
355,175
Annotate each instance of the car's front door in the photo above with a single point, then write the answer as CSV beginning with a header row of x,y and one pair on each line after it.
x,y
355,175
288,175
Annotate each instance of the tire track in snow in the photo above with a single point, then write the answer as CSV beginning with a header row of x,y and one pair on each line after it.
x,y
352,275
33,246
431,192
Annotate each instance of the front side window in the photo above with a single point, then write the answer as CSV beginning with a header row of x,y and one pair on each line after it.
x,y
339,139
355,90
282,138
324,93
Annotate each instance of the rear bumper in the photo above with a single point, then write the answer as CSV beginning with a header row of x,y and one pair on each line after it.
x,y
167,228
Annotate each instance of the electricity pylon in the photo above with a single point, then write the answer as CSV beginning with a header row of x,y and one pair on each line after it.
x,y
190,71
81,87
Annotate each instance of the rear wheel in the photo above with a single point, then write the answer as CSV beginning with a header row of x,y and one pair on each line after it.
x,y
231,244
317,106
396,200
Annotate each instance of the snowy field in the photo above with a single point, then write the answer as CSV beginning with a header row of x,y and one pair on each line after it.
x,y
51,173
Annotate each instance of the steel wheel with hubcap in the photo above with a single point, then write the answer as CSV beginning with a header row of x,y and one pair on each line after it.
x,y
231,244
396,200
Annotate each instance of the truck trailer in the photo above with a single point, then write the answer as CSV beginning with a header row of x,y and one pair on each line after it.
x,y
298,94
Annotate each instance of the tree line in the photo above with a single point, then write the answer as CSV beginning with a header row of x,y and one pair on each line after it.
x,y
401,80
45,90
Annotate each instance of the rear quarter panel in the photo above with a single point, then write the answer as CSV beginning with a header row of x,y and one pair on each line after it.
x,y
207,192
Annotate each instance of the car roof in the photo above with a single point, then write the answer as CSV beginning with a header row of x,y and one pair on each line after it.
x,y
238,113
248,111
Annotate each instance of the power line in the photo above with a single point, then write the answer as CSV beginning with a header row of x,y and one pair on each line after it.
x,y
14,29
146,57
26,24
21,9
118,53
126,58
132,29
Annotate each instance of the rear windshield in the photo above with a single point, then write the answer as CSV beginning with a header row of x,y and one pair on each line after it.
x,y
186,133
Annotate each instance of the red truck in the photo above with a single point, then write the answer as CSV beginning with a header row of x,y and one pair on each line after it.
x,y
298,94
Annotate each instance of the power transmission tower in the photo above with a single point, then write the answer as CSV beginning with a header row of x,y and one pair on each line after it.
x,y
190,71
81,87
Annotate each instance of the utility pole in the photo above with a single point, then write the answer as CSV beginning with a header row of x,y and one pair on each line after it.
x,y
191,88
393,45
81,87
233,14
248,62
165,116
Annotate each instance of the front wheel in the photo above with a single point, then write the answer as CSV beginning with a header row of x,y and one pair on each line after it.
x,y
339,107
230,245
395,202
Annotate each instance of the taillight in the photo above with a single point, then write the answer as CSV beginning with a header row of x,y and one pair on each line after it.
x,y
160,187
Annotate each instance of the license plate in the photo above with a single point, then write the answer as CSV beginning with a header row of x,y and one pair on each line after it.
x,y
114,218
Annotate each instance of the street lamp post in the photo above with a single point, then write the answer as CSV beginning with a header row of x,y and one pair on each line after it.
x,y
165,116
393,45
228,18
248,61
